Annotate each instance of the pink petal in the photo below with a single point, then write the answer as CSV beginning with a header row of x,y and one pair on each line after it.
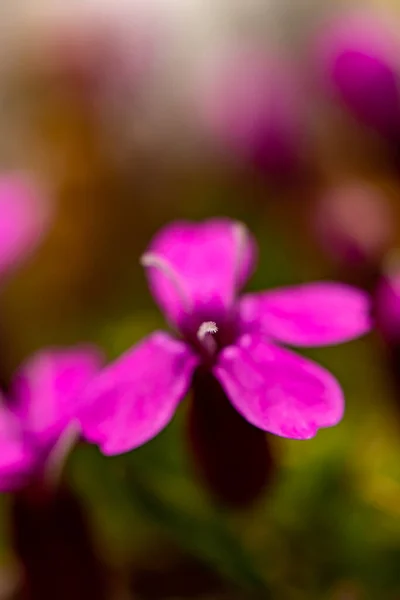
x,y
135,397
47,389
315,314
15,456
278,391
387,302
357,56
23,220
201,267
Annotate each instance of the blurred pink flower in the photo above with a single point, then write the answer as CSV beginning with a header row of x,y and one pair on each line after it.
x,y
358,55
354,224
387,303
195,271
24,218
101,50
41,406
252,106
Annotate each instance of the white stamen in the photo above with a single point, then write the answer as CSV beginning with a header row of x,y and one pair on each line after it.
x,y
155,261
204,335
206,328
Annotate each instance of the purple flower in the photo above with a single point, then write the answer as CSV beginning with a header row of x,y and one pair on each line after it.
x,y
358,56
195,271
23,220
252,106
386,298
387,303
42,404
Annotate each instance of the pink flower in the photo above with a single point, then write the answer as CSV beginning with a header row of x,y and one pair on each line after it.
x,y
358,55
386,311
354,224
23,220
252,106
387,303
195,271
44,396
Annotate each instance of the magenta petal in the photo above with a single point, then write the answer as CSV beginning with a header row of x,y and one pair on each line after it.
x,y
23,219
358,57
135,397
15,457
314,314
277,390
197,268
47,389
387,304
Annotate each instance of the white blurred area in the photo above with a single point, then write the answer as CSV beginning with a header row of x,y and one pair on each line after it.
x,y
139,61
140,56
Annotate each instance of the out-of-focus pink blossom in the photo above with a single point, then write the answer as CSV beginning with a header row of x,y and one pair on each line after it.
x,y
387,302
358,56
354,224
42,405
24,217
252,106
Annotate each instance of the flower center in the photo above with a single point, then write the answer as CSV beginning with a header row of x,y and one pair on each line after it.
x,y
205,336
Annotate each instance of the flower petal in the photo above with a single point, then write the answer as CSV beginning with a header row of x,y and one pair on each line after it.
x,y
47,389
197,268
15,456
23,219
135,397
315,314
278,391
